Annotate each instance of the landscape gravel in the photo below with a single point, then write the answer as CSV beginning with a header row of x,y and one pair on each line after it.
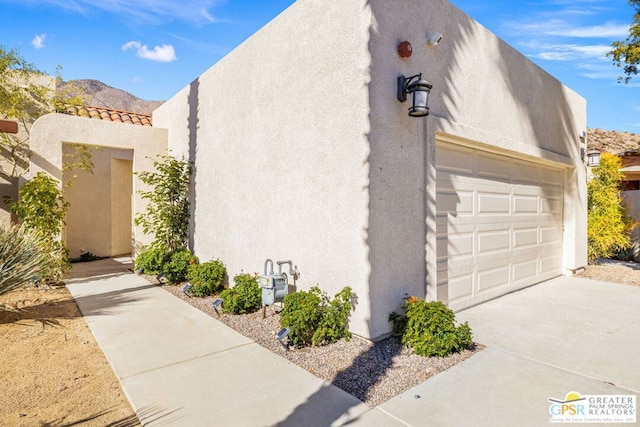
x,y
372,372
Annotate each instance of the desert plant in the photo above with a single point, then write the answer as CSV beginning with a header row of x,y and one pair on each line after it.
x,y
167,214
25,255
152,259
244,297
429,328
176,267
41,207
608,225
313,318
207,278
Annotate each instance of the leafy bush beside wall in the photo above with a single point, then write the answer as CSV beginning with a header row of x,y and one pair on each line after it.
x,y
244,297
151,260
167,214
313,318
176,268
207,278
429,328
41,207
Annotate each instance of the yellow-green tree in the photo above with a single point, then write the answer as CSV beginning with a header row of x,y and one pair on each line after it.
x,y
26,93
609,226
626,53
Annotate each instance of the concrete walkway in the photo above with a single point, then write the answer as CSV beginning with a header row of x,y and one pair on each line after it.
x,y
181,367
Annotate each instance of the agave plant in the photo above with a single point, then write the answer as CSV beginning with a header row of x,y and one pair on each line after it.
x,y
25,255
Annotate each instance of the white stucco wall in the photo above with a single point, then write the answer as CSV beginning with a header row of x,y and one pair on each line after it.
x,y
279,132
14,165
302,151
632,203
94,197
485,93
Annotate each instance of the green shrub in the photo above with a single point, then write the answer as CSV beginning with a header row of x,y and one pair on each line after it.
x,y
244,297
429,328
152,259
314,319
41,207
206,278
167,214
24,255
608,223
175,269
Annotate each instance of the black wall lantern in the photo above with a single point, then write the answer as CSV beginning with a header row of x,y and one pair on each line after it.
x,y
419,90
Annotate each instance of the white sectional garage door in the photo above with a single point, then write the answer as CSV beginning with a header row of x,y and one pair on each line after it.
x,y
499,224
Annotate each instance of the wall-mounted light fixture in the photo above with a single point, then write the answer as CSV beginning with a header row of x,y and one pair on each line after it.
x,y
419,90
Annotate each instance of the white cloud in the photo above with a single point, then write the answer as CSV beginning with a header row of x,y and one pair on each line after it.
x,y
561,28
38,41
143,11
571,52
163,53
596,31
131,45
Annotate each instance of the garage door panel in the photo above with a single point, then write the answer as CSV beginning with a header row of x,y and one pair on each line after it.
x,y
499,224
524,271
552,206
460,287
525,205
460,245
459,161
526,174
457,203
552,177
491,241
492,278
525,238
549,236
492,166
493,204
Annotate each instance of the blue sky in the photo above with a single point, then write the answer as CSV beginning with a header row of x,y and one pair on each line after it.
x,y
153,48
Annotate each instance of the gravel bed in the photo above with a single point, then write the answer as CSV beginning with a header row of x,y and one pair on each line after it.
x,y
372,372
624,273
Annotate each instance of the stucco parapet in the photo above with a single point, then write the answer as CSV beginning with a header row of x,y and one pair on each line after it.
x,y
492,142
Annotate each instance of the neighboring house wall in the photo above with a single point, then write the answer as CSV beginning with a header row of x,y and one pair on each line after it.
x,y
302,151
632,202
102,204
14,153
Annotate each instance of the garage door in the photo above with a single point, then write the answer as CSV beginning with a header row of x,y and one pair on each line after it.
x,y
499,224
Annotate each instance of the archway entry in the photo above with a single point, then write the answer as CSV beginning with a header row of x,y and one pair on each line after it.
x,y
100,216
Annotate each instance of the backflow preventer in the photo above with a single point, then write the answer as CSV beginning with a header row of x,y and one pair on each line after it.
x,y
275,286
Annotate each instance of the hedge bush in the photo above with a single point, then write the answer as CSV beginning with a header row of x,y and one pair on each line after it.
x,y
244,297
207,278
151,260
429,328
314,319
176,268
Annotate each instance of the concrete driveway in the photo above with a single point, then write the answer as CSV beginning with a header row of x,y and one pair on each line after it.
x,y
564,335
181,367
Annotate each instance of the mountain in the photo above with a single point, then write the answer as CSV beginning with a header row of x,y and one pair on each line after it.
x,y
98,94
610,141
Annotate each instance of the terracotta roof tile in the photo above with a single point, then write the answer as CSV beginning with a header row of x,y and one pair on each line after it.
x,y
111,115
